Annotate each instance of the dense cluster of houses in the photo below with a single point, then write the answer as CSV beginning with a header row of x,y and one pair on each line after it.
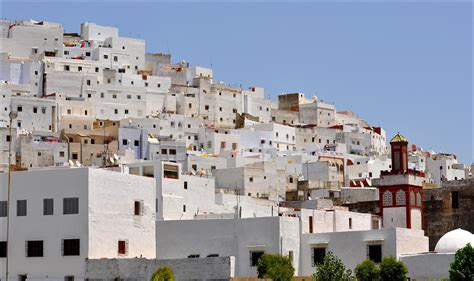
x,y
122,159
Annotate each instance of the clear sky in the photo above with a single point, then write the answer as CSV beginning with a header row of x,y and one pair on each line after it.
x,y
404,66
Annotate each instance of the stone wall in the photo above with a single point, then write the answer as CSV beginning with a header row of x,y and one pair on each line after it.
x,y
440,216
139,269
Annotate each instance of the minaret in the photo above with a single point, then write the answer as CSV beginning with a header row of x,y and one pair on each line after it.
x,y
399,145
401,190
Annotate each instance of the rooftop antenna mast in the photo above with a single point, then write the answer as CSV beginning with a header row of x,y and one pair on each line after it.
x,y
167,47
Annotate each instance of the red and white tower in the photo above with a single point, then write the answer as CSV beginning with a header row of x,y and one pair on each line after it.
x,y
401,190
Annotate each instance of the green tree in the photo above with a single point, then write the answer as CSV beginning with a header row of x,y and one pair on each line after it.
x,y
332,269
462,267
367,271
164,273
392,270
276,267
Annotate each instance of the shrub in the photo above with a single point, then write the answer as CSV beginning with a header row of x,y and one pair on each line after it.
x,y
276,267
392,270
164,273
367,271
462,267
332,269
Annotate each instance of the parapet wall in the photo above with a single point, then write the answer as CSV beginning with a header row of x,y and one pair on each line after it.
x,y
139,269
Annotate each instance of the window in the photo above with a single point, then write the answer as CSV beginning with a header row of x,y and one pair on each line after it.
x,y
318,255
350,223
172,151
212,255
74,156
185,185
138,208
136,143
116,111
19,108
88,82
3,208
193,256
71,247
96,69
69,278
48,207
34,248
310,224
375,252
251,179
8,138
184,208
35,109
3,249
400,198
21,208
254,257
106,56
122,247
66,68
164,151
387,198
124,142
70,206
206,107
115,58
79,68
455,199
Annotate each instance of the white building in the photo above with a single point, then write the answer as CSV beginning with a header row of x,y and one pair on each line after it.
x,y
435,265
356,246
246,239
75,214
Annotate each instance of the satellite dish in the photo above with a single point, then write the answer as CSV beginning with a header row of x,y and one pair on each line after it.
x,y
78,164
111,159
71,163
116,157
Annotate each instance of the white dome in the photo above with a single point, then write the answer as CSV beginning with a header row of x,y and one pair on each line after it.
x,y
454,240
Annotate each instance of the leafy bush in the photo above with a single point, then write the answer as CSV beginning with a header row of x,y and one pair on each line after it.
x,y
462,267
164,273
276,267
392,270
332,269
367,271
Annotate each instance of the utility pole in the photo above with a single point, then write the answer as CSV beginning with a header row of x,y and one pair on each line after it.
x,y
12,115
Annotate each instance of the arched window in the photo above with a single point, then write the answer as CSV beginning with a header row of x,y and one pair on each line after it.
x,y
412,198
401,198
418,199
387,198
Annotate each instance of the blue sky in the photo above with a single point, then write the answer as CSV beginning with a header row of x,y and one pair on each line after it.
x,y
404,66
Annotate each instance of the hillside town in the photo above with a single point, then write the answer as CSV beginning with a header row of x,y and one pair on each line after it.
x,y
115,161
